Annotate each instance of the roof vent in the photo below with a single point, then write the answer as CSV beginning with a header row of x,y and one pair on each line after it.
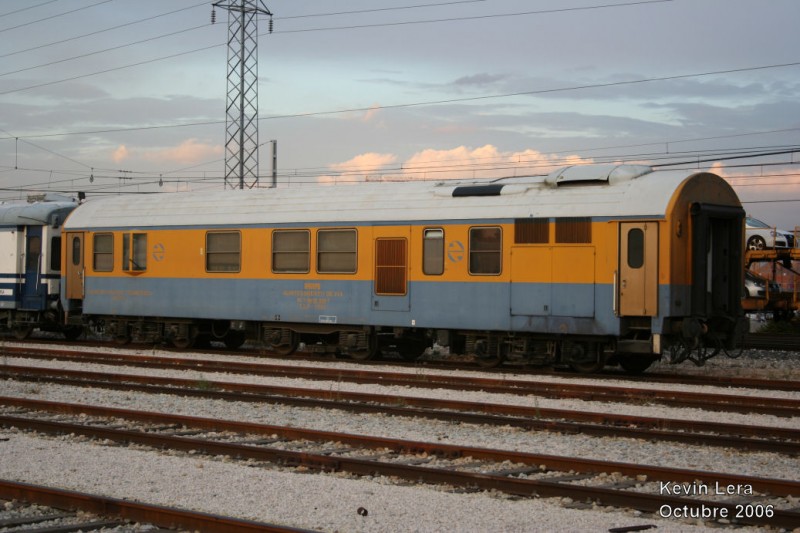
x,y
595,174
478,190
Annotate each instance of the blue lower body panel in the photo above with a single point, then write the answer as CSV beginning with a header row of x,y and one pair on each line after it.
x,y
474,306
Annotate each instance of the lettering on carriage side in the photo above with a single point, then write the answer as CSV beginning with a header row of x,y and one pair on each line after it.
x,y
455,251
119,294
313,296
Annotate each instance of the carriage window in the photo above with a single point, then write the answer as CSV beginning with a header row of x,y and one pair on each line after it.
x,y
336,251
291,251
34,252
574,230
531,231
433,252
55,254
223,251
485,250
134,252
635,248
76,251
103,244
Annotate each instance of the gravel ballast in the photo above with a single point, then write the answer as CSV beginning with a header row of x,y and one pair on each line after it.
x,y
330,502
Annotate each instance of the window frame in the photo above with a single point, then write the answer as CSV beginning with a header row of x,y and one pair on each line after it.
x,y
134,252
108,265
218,253
274,252
426,252
323,253
476,253
55,253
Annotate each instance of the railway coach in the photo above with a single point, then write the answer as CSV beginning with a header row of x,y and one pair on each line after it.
x,y
30,265
584,267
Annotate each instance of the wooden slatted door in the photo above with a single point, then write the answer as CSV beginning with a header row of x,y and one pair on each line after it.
x,y
391,274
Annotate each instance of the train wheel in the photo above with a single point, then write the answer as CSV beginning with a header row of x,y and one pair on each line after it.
x,y
488,356
282,341
184,343
22,332
234,339
122,339
584,358
635,364
71,333
368,353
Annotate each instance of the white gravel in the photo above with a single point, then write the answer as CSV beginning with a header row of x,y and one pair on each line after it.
x,y
329,502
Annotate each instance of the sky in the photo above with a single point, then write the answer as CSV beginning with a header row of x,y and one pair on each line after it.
x,y
129,96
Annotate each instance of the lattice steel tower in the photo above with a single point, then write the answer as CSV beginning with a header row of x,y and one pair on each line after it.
x,y
241,121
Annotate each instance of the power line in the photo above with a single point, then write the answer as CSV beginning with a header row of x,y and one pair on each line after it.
x,y
27,8
55,16
54,82
398,106
112,28
89,54
362,11
473,17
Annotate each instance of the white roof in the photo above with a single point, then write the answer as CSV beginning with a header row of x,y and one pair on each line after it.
x,y
597,191
35,214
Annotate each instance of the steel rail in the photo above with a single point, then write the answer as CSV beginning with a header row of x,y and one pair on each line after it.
x,y
327,463
777,487
161,516
785,407
530,418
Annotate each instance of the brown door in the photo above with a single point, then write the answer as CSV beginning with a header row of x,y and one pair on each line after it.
x,y
390,286
638,269
74,266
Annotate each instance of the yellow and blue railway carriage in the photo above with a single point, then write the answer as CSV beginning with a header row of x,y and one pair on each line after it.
x,y
30,264
583,265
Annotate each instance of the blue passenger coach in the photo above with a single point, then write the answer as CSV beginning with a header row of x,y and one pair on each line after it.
x,y
30,264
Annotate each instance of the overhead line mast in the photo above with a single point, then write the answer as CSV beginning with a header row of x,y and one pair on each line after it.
x,y
241,121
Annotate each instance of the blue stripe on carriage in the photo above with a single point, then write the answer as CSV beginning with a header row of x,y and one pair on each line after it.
x,y
572,309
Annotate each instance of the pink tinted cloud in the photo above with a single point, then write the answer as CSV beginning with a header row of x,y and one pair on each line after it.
x,y
120,154
483,162
188,152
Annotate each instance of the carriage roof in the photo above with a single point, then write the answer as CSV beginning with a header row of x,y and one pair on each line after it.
x,y
585,191
40,213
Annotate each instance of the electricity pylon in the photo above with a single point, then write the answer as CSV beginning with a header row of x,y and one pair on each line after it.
x,y
241,120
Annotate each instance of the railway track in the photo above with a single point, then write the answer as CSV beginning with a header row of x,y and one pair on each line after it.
x,y
556,389
741,437
111,513
645,488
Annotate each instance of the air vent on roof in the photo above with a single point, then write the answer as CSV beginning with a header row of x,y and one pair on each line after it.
x,y
478,190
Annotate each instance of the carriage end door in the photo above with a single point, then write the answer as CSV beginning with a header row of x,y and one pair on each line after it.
x,y
74,266
638,269
34,292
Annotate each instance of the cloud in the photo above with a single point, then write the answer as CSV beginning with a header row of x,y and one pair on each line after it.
x,y
483,162
359,168
188,152
372,113
462,162
120,154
